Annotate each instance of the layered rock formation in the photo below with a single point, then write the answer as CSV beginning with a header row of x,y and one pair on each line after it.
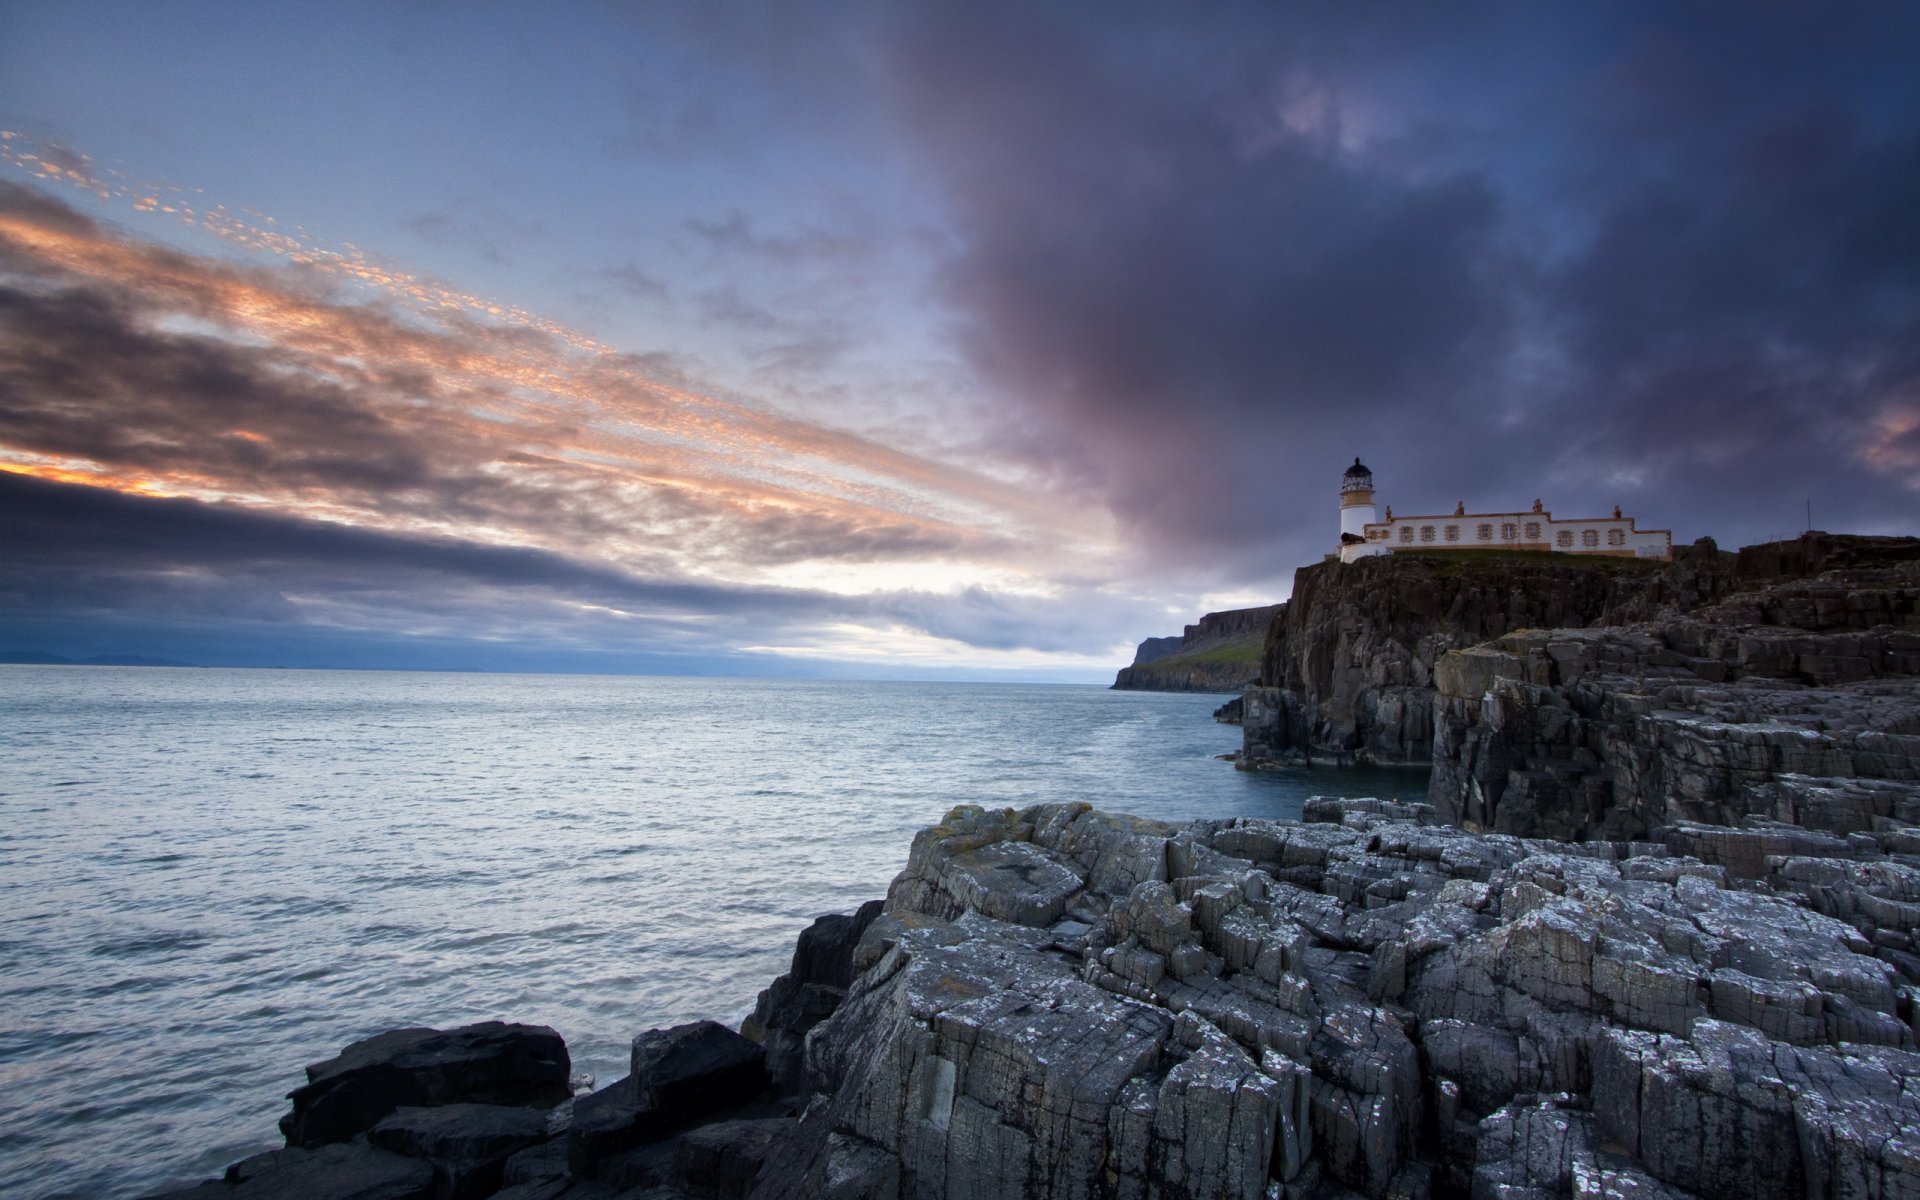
x,y
1347,671
1795,701
1352,668
1059,1001
1220,653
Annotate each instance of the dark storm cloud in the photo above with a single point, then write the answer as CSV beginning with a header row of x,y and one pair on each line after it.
x,y
1660,255
75,553
74,363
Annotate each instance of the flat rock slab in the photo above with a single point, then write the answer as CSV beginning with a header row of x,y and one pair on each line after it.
x,y
338,1172
488,1063
460,1131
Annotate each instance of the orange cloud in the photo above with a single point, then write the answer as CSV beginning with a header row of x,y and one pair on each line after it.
x,y
409,406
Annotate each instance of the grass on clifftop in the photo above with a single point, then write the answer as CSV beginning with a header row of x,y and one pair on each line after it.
x,y
1242,652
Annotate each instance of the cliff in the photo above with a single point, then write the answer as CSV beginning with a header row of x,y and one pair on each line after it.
x,y
1347,669
1219,653
1063,1002
1797,700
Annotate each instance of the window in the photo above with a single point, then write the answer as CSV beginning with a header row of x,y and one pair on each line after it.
x,y
1589,537
1377,534
1508,531
1486,533
1533,531
1564,539
1453,533
1616,537
1426,533
1406,533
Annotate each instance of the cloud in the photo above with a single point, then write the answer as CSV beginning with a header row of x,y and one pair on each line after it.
x,y
634,282
131,365
81,553
1207,262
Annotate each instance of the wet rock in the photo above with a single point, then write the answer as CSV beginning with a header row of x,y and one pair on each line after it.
x,y
610,1122
695,1069
808,993
488,1063
723,1160
339,1171
468,1144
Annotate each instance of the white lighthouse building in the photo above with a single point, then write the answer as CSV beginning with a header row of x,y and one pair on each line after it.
x,y
1356,513
1363,534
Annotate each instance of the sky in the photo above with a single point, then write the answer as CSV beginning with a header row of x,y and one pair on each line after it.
x,y
910,339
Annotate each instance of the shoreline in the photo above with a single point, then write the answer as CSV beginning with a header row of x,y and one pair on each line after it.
x,y
1362,1001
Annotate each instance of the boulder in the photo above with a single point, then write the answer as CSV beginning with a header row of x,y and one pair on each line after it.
x,y
468,1144
695,1069
489,1063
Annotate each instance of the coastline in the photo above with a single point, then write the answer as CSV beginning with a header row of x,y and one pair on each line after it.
x,y
1364,1001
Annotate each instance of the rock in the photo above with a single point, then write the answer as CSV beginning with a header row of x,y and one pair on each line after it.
x,y
695,1069
468,1144
1059,1001
1366,1003
1221,653
337,1171
1615,733
722,1161
1491,671
488,1063
609,1122
808,993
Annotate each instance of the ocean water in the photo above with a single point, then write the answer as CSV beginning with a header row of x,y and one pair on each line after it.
x,y
209,878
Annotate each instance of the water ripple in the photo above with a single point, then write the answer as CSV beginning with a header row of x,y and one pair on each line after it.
x,y
261,866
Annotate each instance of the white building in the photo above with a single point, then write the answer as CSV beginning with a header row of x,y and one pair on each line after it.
x,y
1363,535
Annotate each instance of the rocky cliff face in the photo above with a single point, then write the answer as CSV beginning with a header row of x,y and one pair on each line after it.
x,y
1347,671
1796,700
1219,653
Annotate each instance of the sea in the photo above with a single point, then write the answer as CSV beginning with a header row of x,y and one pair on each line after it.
x,y
210,878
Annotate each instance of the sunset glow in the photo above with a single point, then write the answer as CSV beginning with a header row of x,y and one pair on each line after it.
x,y
995,339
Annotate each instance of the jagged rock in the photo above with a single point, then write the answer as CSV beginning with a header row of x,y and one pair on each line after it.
x,y
808,993
1064,1002
1613,733
488,1063
1603,699
1358,1003
1729,1113
694,1069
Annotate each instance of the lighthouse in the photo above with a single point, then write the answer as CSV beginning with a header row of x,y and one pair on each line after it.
x,y
1356,513
1364,535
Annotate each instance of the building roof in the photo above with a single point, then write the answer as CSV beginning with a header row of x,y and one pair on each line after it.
x,y
1358,468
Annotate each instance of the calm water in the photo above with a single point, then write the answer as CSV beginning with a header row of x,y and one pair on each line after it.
x,y
211,878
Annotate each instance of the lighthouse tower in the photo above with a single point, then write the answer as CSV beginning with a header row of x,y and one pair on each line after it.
x,y
1356,513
